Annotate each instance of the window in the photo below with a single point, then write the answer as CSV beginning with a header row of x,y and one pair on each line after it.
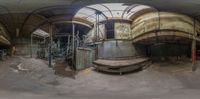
x,y
110,31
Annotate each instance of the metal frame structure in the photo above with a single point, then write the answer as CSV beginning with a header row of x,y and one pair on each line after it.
x,y
38,36
97,13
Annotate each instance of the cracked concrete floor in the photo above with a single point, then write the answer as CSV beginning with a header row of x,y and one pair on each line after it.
x,y
159,81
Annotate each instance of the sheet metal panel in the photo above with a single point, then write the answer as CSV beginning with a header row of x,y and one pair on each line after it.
x,y
116,49
84,58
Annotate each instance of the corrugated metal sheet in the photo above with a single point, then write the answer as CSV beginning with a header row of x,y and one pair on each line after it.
x,y
84,58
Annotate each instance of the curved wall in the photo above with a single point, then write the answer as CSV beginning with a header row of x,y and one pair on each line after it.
x,y
147,26
165,23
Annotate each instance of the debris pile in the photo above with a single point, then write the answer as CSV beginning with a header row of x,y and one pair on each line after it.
x,y
35,69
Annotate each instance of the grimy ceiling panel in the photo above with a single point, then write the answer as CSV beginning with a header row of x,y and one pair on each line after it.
x,y
190,7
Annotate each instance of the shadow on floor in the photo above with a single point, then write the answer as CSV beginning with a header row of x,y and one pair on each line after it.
x,y
62,69
125,73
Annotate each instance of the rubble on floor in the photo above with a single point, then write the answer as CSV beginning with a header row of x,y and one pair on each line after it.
x,y
160,79
27,75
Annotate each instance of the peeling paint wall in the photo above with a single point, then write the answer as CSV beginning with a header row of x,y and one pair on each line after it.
x,y
168,27
122,30
150,25
164,21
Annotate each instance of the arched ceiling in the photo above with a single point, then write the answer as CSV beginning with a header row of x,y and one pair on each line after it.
x,y
51,8
107,11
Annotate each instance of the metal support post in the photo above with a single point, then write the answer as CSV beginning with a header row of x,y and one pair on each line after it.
x,y
193,50
50,45
73,45
31,45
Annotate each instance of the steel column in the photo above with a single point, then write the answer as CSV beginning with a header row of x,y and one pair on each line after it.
x,y
73,44
193,49
96,27
50,45
31,45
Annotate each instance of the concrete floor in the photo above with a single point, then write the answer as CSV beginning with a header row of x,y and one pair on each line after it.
x,y
36,81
